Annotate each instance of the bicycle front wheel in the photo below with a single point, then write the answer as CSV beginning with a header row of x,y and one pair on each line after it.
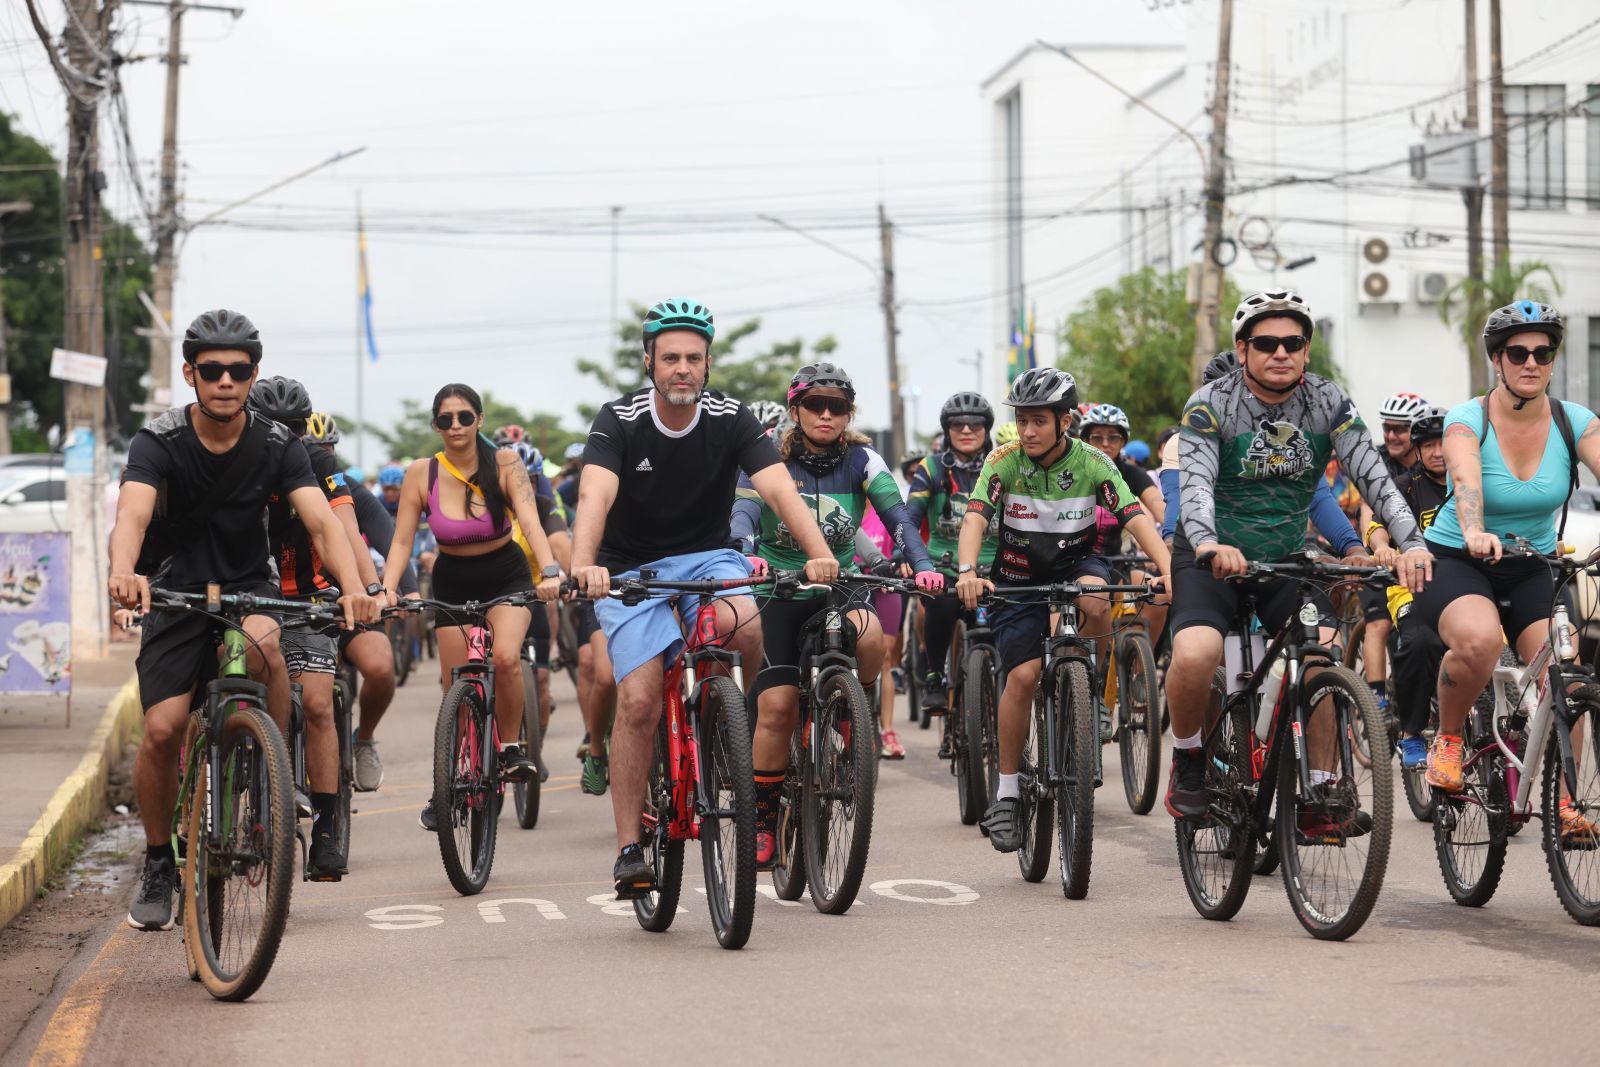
x,y
655,911
1334,842
976,705
789,872
1571,837
1078,731
1217,853
464,801
836,805
1419,794
1138,721
727,788
238,874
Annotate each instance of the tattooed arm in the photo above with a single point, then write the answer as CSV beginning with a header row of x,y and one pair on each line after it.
x,y
514,482
1465,464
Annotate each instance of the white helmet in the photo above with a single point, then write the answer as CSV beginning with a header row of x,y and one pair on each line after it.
x,y
1271,302
767,412
1402,407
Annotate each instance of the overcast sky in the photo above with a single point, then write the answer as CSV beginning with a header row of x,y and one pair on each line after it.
x,y
499,135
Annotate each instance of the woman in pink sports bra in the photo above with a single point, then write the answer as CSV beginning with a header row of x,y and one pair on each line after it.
x,y
478,560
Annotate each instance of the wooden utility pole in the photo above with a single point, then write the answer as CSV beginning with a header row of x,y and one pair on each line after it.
x,y
897,407
166,220
14,207
1210,287
1473,194
1500,162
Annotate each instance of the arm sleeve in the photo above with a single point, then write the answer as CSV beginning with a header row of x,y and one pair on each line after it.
x,y
919,495
1360,458
884,494
1330,520
1169,496
751,444
744,524
604,447
867,549
1198,453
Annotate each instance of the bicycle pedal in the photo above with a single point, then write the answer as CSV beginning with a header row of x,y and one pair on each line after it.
x,y
324,876
635,890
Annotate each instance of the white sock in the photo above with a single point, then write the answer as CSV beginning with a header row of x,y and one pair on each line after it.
x,y
1008,787
1318,777
1189,742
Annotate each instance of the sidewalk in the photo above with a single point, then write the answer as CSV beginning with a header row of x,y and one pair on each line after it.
x,y
54,777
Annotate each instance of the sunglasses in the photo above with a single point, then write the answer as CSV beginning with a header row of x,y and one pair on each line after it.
x,y
213,372
967,424
1543,355
449,419
1397,427
1268,345
837,406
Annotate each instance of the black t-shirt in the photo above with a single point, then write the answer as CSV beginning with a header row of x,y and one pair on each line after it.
x,y
1137,477
677,487
301,570
232,547
1423,495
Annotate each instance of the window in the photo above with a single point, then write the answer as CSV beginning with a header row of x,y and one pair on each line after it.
x,y
1535,141
1011,142
1591,129
1594,363
38,492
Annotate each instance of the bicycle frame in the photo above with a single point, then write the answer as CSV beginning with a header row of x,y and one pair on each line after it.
x,y
681,690
479,670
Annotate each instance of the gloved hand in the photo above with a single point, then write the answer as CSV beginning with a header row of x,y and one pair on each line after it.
x,y
758,566
884,568
930,582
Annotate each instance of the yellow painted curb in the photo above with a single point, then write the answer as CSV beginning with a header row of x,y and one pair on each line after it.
x,y
75,805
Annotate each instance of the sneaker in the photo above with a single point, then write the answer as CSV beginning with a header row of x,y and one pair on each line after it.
x,y
152,908
1413,753
1331,815
1577,830
766,850
369,768
583,746
429,819
1444,763
899,676
1186,784
1000,825
596,774
515,766
633,875
326,863
892,748
933,694
302,804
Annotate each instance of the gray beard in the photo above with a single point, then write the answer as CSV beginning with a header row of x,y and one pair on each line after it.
x,y
679,400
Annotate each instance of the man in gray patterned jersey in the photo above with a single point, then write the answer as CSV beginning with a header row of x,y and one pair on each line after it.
x,y
1252,448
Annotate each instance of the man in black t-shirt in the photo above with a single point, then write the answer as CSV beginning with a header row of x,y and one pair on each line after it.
x,y
191,512
660,469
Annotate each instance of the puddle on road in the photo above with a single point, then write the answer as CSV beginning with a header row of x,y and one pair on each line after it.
x,y
104,864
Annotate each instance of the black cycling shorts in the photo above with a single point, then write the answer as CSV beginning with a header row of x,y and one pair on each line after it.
x,y
178,650
1198,599
1521,589
585,622
782,621
1019,629
308,652
1374,604
539,637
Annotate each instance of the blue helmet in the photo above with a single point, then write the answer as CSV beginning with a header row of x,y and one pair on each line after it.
x,y
393,474
1519,317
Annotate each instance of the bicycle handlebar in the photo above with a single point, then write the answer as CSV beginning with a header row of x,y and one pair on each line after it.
x,y
1310,567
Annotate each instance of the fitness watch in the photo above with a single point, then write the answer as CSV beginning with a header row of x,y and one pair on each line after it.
x,y
552,571
965,568
374,588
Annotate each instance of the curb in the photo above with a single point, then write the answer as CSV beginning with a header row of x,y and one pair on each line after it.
x,y
76,803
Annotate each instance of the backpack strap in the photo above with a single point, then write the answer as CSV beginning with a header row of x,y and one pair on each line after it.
x,y
1558,415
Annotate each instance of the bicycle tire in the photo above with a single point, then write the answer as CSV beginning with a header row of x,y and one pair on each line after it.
x,y
1575,864
567,642
465,804
978,701
1079,736
655,911
726,784
1327,905
525,795
1419,794
400,643
1138,721
230,967
789,872
1035,814
837,802
1217,855
347,768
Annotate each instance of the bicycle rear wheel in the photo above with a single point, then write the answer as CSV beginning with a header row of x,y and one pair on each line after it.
x,y
347,767
836,804
400,644
1217,853
1078,733
727,788
1574,856
1138,721
1335,845
977,705
525,795
1035,810
237,877
655,911
464,799
789,872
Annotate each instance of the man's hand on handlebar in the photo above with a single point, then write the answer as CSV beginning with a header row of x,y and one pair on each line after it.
x,y
1414,569
593,582
130,591
970,587
822,571
360,608
1226,561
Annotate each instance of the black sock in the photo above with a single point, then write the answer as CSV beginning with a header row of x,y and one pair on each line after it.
x,y
769,788
324,806
1380,688
162,851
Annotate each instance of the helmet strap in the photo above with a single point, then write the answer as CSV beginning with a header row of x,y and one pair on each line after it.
x,y
1522,401
213,416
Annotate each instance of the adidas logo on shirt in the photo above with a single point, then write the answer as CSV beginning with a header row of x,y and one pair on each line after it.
x,y
644,465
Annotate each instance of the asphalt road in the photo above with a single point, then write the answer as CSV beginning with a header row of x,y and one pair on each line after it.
x,y
947,957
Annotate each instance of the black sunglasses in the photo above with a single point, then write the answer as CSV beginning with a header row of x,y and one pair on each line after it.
x,y
966,424
1543,355
1268,345
837,406
213,372
447,420
1397,427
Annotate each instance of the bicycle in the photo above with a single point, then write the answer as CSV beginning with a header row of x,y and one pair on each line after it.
x,y
914,664
971,726
1130,686
1537,712
296,741
398,631
233,828
701,785
1249,743
525,795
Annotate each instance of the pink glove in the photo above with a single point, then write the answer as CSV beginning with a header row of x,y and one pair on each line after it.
x,y
930,582
758,566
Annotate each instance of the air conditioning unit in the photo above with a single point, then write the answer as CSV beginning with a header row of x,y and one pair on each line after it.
x,y
1380,282
1429,287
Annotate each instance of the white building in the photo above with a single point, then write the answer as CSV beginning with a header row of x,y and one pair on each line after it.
x,y
1328,102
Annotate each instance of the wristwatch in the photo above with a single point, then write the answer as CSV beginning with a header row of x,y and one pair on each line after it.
x,y
374,588
552,571
965,568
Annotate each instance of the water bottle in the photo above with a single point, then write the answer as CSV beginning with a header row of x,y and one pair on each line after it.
x,y
1269,700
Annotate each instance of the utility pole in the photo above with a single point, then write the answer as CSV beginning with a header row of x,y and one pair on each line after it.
x,y
1210,287
1500,162
897,407
14,207
1473,194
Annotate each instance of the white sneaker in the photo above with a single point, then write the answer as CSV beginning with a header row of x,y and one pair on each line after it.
x,y
369,768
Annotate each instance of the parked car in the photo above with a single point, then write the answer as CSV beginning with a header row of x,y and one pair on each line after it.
x,y
30,459
1583,534
32,499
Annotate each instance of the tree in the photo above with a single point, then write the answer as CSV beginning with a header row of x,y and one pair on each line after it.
x,y
764,375
1131,344
1466,305
413,435
31,269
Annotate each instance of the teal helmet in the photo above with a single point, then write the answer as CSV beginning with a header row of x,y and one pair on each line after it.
x,y
679,315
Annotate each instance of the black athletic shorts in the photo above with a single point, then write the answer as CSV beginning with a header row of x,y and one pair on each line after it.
x,y
1374,604
308,651
458,579
1198,599
585,622
1521,589
178,650
539,637
781,624
1019,629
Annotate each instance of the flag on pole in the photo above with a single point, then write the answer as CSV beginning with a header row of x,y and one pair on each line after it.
x,y
365,288
1021,356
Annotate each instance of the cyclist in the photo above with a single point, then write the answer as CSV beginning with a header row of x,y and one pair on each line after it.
x,y
365,649
477,559
426,549
572,474
1512,457
838,475
553,519
1105,426
1253,446
941,485
190,512
1046,489
1418,650
509,436
660,470
768,413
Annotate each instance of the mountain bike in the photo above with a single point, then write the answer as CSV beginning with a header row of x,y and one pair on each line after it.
x,y
1331,834
1130,686
1538,711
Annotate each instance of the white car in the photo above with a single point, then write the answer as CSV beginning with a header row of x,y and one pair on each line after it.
x,y
32,499
1583,534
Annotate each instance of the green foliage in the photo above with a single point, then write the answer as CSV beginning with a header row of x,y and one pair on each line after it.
x,y
1466,305
764,375
1132,344
413,435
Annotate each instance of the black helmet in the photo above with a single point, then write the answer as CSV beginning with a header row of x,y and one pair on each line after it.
x,y
1428,424
1044,387
1221,365
221,329
281,399
1522,316
970,405
820,376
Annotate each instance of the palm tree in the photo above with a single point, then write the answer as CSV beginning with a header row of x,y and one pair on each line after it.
x,y
1467,303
